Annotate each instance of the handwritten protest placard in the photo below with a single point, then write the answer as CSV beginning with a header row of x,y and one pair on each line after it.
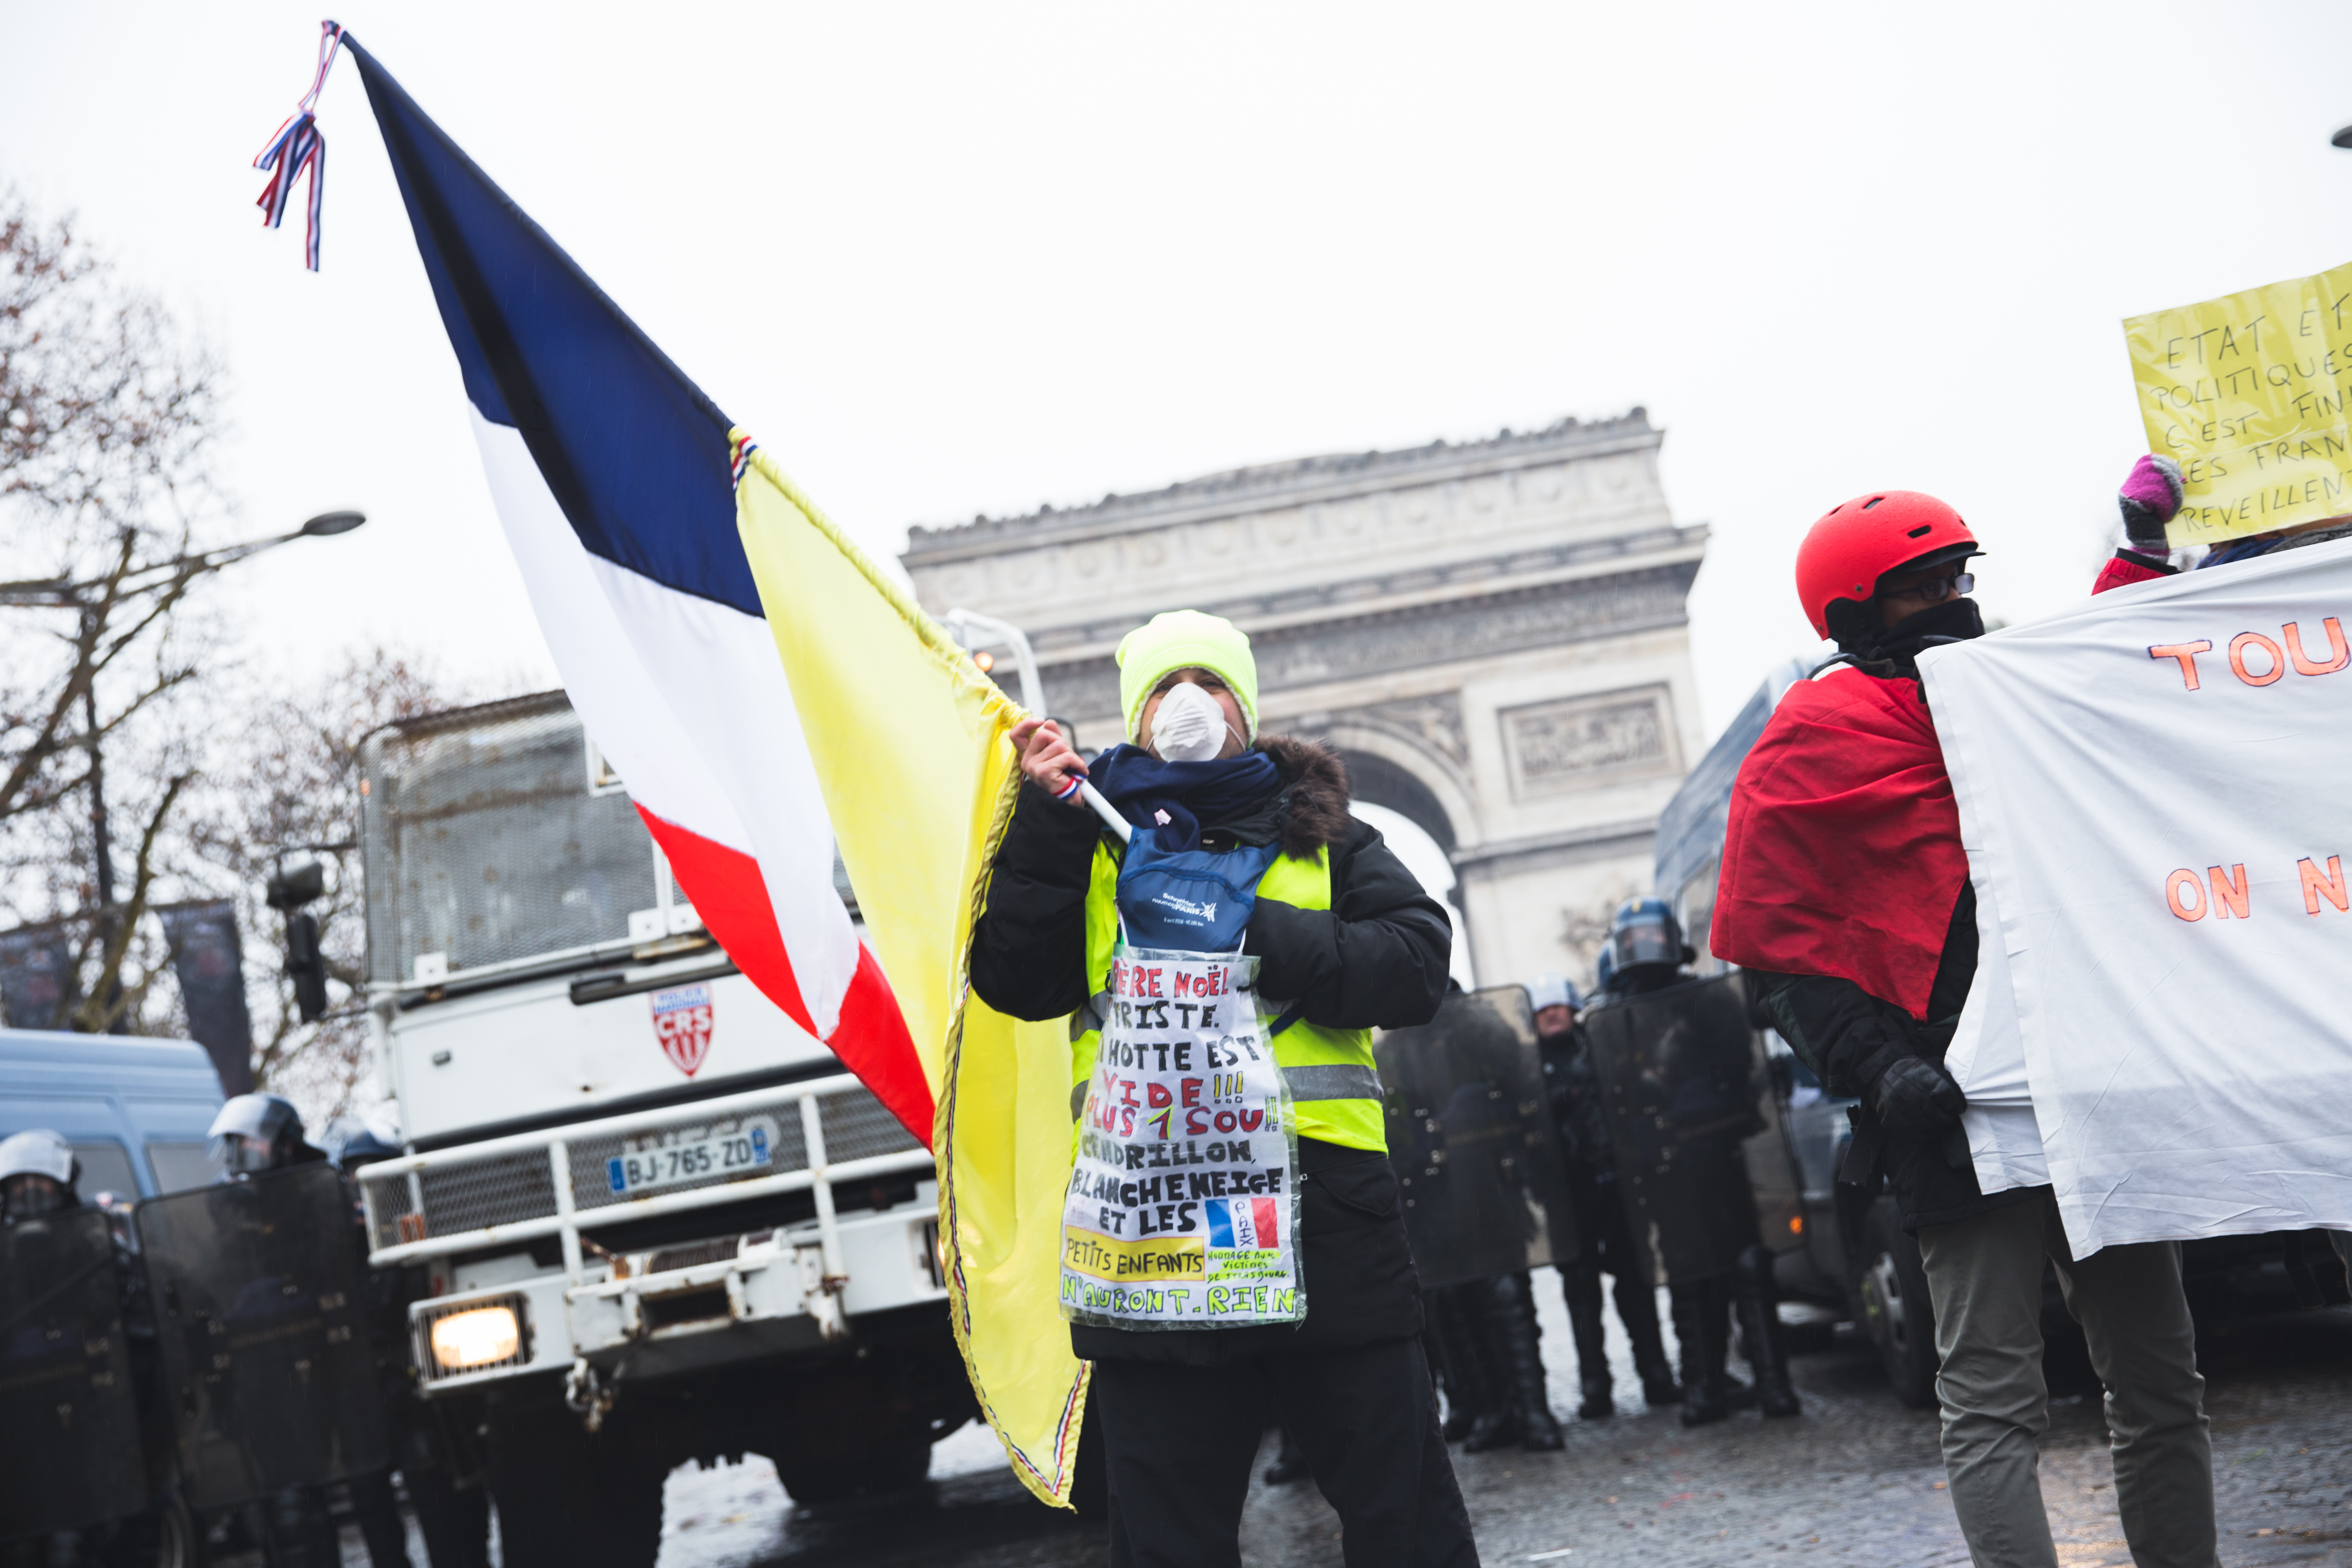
x,y
2247,394
1182,1209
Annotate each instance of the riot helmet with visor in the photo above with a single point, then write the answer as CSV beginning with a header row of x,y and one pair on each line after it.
x,y
351,1143
1556,1003
1644,935
38,1170
255,1132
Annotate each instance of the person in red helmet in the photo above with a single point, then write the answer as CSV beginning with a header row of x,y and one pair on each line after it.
x,y
1845,895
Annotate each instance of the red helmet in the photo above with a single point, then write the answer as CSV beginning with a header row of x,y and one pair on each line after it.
x,y
1858,542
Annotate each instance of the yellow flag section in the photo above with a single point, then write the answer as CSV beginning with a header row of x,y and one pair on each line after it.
x,y
909,743
2246,393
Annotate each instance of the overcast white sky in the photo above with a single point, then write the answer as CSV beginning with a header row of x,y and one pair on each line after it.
x,y
970,258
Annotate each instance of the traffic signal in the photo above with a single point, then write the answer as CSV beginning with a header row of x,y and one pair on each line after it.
x,y
306,965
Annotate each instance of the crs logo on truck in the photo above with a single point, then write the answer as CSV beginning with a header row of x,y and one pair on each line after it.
x,y
682,1022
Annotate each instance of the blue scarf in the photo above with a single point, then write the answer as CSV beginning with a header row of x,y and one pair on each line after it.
x,y
1176,797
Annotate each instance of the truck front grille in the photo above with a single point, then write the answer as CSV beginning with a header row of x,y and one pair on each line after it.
x,y
693,1253
454,1196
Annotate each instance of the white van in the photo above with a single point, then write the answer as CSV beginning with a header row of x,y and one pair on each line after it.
x,y
135,1110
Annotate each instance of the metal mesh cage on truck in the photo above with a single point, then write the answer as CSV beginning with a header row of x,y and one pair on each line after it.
x,y
489,839
497,835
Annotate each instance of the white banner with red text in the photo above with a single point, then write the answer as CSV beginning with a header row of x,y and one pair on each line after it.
x,y
2153,793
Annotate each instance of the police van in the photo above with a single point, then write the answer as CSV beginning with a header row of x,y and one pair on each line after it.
x,y
1844,1251
135,1110
649,1218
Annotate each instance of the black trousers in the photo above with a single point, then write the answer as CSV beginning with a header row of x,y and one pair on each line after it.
x,y
1180,1441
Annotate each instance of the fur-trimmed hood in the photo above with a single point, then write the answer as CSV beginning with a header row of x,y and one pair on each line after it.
x,y
1315,781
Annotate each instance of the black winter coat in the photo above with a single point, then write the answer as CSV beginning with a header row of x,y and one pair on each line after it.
x,y
1375,959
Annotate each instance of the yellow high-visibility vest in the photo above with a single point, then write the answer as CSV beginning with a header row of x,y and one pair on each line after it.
x,y
1330,1072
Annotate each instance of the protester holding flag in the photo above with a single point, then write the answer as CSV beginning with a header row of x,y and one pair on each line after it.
x,y
1845,893
1347,940
771,698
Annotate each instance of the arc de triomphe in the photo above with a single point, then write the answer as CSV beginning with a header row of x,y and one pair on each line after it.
x,y
1493,635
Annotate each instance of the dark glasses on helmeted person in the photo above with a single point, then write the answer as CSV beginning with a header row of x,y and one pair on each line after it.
x,y
1933,590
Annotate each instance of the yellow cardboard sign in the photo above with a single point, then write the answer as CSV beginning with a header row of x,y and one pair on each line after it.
x,y
2247,394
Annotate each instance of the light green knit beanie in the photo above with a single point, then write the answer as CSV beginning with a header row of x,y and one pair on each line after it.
x,y
1181,639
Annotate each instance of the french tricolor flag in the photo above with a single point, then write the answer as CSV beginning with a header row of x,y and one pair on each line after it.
x,y
1247,1225
613,477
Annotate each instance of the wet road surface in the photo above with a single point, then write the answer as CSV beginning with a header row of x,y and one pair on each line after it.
x,y
1857,1480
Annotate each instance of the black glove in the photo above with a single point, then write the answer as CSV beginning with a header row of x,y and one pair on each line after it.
x,y
1916,1098
2149,497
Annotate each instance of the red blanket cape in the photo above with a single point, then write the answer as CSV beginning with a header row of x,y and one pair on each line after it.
x,y
1843,853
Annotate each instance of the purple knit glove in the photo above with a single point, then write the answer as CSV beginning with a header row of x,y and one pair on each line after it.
x,y
2150,495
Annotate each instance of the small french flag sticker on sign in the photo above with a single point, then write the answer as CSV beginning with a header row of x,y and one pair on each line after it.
x,y
1244,1223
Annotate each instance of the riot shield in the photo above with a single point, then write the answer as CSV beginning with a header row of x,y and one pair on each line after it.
x,y
259,1317
1680,1072
69,1448
1470,1133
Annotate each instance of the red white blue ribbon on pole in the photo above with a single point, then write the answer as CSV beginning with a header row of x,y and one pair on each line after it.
x,y
744,451
299,145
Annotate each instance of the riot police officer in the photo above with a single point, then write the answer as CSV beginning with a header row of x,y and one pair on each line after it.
x,y
1691,1078
38,1170
253,1134
454,1522
39,1177
1590,1165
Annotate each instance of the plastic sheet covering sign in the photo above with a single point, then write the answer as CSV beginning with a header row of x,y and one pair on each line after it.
x,y
2247,394
1184,1205
2150,788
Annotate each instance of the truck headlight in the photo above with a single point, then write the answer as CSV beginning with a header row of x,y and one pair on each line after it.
x,y
475,1338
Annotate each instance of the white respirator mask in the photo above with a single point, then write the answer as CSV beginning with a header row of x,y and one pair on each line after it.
x,y
1190,726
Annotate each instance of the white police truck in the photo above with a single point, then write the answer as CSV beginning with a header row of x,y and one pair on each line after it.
x,y
643,1217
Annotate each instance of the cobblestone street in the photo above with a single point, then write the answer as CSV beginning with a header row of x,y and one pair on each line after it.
x,y
1857,1480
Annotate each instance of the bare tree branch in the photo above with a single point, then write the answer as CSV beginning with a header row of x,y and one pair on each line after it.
x,y
107,423
104,1001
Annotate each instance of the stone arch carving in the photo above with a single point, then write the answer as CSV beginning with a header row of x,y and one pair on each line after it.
x,y
1526,591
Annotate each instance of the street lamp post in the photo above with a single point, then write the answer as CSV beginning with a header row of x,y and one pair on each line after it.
x,y
60,593
974,630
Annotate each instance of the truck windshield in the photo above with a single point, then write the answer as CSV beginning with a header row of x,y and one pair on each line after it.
x,y
489,840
